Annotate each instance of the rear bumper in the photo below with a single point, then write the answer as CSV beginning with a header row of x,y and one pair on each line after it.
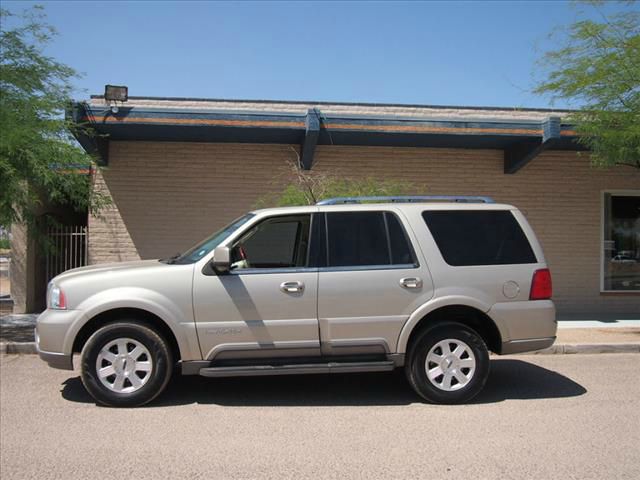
x,y
528,345
525,326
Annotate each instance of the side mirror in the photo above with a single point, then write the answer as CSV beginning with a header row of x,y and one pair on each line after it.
x,y
221,259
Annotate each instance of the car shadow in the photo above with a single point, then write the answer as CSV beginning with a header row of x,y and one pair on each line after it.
x,y
509,380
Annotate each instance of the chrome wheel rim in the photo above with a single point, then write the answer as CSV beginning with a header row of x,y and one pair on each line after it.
x,y
450,365
124,365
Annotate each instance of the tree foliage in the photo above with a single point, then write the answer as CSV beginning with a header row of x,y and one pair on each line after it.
x,y
38,156
309,187
598,68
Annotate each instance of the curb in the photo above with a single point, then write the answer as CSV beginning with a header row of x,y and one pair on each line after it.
x,y
18,347
559,349
589,348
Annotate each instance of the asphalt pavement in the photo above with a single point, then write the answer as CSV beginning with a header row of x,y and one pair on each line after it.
x,y
552,416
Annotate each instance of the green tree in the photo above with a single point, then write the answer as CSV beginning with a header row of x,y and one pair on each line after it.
x,y
38,155
309,187
598,68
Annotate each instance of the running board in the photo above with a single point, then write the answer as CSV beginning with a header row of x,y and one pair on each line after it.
x,y
332,367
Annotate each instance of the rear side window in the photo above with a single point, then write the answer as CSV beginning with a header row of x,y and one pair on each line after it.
x,y
366,239
479,237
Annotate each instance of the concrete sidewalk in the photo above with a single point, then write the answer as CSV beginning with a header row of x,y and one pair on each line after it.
x,y
574,336
595,339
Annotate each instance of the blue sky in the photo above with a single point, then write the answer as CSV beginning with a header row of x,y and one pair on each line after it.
x,y
442,53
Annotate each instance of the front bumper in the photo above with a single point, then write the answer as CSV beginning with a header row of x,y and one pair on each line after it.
x,y
55,360
51,337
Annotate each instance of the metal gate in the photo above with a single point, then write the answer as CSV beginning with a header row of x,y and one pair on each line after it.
x,y
67,249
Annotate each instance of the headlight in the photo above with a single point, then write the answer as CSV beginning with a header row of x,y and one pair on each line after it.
x,y
56,298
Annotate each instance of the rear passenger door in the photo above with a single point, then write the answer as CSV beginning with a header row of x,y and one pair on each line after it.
x,y
371,278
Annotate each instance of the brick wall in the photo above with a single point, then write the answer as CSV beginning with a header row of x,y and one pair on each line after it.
x,y
170,195
109,238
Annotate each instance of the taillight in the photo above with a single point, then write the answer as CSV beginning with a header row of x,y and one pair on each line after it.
x,y
541,285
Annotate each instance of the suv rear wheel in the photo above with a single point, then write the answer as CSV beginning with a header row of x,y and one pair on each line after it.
x,y
448,363
125,364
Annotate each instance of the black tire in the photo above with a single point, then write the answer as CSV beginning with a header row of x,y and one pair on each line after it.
x,y
160,359
416,368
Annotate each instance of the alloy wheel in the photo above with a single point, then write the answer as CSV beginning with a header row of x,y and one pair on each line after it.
x,y
124,365
450,364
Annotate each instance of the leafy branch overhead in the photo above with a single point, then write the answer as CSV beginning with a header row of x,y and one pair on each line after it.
x,y
302,187
39,159
598,68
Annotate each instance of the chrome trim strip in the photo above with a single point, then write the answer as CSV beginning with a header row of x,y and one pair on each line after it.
x,y
352,268
359,342
529,340
255,271
358,268
252,346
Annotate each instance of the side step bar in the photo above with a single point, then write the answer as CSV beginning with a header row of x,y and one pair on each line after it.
x,y
331,367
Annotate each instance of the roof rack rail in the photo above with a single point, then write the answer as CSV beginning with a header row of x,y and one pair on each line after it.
x,y
408,199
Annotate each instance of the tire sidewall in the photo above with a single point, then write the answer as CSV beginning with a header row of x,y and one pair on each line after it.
x,y
159,375
424,343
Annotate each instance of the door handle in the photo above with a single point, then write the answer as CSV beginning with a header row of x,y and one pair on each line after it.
x,y
292,287
411,282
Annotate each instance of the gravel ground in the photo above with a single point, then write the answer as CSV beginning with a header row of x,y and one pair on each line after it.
x,y
558,416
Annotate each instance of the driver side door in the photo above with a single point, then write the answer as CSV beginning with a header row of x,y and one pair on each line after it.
x,y
266,306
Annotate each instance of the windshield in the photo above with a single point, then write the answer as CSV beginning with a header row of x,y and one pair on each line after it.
x,y
201,249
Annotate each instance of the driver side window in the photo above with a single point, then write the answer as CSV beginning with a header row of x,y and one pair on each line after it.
x,y
277,242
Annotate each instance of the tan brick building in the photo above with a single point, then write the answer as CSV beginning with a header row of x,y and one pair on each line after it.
x,y
178,169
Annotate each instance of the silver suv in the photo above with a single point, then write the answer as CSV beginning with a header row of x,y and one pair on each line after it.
x,y
431,284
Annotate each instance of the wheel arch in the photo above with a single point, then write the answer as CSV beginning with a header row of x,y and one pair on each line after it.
x,y
464,313
142,316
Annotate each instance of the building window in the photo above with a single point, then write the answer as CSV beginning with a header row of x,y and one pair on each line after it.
x,y
621,241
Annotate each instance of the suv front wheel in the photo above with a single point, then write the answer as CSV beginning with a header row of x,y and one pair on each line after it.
x,y
448,363
125,364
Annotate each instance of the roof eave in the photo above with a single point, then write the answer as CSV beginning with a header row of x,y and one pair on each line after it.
x,y
521,140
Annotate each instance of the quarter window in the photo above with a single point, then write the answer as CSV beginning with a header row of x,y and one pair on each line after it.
x,y
401,252
479,237
356,239
621,248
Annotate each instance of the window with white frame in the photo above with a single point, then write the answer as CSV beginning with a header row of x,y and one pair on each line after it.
x,y
621,241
